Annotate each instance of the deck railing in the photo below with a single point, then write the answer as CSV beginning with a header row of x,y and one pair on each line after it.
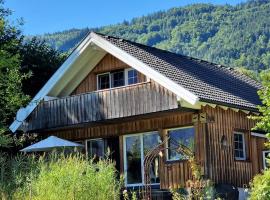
x,y
102,105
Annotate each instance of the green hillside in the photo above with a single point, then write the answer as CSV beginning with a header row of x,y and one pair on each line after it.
x,y
230,35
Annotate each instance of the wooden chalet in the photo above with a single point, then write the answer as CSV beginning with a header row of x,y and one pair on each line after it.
x,y
117,94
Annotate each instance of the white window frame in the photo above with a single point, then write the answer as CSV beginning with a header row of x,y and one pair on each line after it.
x,y
244,146
264,158
142,157
110,86
126,70
126,76
95,139
167,143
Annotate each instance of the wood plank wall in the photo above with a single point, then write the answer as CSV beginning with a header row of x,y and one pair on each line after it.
x,y
257,146
218,164
223,168
102,105
107,64
173,174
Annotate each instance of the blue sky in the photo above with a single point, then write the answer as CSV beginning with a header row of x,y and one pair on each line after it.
x,y
47,16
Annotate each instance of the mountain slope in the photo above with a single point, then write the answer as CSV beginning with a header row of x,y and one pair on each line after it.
x,y
231,35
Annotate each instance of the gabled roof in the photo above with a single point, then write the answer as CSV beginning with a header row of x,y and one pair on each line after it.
x,y
190,79
210,82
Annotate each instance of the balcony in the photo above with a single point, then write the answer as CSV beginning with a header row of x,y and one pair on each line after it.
x,y
101,106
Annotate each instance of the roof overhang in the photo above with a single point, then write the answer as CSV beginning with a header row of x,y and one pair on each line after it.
x,y
81,61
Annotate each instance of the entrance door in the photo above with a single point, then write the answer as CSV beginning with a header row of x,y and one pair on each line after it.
x,y
135,148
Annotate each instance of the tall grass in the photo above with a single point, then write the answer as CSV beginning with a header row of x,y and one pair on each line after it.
x,y
60,177
15,171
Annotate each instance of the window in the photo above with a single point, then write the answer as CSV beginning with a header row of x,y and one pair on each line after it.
x,y
103,81
117,79
239,146
266,155
184,136
132,76
95,148
135,149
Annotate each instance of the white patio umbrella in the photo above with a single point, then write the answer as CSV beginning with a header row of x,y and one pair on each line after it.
x,y
49,144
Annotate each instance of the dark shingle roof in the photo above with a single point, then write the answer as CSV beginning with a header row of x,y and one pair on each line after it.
x,y
209,81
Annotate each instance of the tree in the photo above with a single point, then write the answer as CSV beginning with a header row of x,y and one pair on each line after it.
x,y
11,95
260,185
264,119
41,61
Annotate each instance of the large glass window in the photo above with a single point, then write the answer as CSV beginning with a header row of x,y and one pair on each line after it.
x,y
135,150
132,76
95,148
133,160
184,136
149,142
239,146
117,78
103,81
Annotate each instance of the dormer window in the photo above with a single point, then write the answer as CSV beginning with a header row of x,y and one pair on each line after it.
x,y
117,78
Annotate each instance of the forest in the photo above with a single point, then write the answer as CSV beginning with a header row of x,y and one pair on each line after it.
x,y
235,36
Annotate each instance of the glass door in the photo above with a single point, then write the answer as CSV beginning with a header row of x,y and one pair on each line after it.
x,y
135,149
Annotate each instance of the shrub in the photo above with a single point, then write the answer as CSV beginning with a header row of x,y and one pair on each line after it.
x,y
15,171
72,177
260,186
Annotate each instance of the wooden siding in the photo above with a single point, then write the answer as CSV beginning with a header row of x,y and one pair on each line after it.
x,y
257,147
102,105
107,64
172,174
222,167
217,163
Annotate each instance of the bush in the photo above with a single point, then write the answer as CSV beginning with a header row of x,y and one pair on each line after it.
x,y
67,177
260,186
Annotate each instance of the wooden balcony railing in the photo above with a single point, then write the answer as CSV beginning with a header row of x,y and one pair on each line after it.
x,y
101,105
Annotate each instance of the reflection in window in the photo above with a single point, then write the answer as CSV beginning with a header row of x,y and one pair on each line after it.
x,y
137,147
117,79
184,136
149,142
103,81
132,76
95,148
133,160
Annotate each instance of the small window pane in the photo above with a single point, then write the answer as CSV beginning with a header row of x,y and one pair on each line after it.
x,y
241,154
103,81
132,76
240,145
183,136
118,79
